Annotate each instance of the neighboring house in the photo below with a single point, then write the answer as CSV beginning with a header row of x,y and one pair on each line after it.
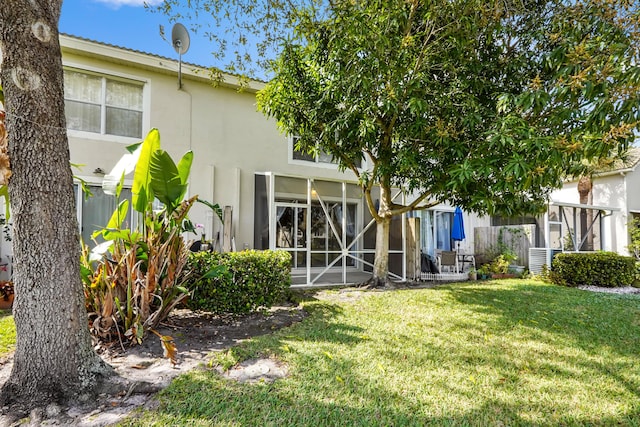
x,y
585,214
279,198
614,193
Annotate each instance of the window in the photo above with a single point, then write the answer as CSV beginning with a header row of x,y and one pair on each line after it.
x,y
103,105
94,212
320,156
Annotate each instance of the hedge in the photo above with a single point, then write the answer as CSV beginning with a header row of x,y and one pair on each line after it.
x,y
605,269
245,281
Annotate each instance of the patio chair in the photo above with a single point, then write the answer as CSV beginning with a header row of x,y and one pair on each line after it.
x,y
448,259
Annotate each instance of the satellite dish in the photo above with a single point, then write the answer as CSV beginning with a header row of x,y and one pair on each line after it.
x,y
180,38
180,41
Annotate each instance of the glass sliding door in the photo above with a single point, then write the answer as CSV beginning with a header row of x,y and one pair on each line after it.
x,y
291,232
95,211
436,231
327,236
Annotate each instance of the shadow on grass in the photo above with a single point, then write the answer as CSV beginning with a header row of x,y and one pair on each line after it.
x,y
205,399
589,320
590,332
515,385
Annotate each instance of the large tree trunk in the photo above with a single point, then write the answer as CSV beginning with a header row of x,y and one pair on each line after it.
x,y
380,276
54,359
381,264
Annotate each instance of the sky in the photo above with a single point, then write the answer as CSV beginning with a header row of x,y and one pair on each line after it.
x,y
128,24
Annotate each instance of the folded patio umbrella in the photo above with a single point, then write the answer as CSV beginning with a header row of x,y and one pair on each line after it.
x,y
457,229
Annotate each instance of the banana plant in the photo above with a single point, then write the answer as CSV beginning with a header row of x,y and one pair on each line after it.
x,y
135,278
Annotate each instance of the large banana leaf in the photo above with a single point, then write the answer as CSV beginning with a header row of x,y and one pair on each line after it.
x,y
165,180
184,169
141,189
114,226
216,208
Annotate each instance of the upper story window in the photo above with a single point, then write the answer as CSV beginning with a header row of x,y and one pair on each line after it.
x,y
103,105
319,157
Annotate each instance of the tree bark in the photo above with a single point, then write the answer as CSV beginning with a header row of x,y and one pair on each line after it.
x,y
381,264
380,276
54,359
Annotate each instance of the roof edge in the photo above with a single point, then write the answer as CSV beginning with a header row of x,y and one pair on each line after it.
x,y
93,48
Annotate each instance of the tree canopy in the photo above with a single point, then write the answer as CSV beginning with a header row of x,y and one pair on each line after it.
x,y
485,105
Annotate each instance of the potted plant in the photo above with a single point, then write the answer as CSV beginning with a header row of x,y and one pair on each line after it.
x,y
6,295
483,272
473,274
499,267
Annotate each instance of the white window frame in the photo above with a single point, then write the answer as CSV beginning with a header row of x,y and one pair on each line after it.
x,y
92,182
316,162
113,75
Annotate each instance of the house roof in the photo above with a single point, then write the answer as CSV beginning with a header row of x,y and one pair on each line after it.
x,y
626,163
123,55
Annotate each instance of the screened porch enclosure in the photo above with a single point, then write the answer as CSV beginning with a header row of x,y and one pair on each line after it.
x,y
326,227
576,227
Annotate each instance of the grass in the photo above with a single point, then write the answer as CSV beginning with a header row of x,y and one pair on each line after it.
x,y
7,332
489,353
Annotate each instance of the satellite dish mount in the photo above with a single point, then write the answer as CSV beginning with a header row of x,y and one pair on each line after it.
x,y
180,41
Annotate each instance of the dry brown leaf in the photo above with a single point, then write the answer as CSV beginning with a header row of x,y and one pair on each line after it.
x,y
170,351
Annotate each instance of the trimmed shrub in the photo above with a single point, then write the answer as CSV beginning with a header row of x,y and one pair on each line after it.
x,y
238,282
606,269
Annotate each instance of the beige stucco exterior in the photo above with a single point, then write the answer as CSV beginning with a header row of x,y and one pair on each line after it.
x,y
232,142
230,139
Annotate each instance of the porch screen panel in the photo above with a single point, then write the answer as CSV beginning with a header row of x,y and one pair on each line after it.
x,y
287,186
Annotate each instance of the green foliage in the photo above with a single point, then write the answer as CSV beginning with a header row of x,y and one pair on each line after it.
x,y
634,234
484,270
134,279
242,281
501,87
606,269
500,264
484,106
508,242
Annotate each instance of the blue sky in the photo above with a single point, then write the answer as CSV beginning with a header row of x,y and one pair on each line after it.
x,y
128,24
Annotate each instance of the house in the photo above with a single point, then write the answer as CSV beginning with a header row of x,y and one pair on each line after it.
x,y
612,197
586,214
276,198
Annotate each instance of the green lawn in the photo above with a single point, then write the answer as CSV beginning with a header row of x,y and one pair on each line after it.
x,y
495,353
7,332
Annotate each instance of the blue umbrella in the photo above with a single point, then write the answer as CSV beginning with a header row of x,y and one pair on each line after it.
x,y
457,230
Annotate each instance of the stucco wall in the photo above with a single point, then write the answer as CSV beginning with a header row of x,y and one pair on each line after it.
x,y
230,139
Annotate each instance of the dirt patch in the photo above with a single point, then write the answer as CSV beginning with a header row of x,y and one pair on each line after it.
x,y
144,371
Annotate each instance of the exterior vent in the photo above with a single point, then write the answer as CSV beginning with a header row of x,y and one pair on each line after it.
x,y
539,257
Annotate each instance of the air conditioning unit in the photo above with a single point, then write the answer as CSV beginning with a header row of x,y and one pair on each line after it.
x,y
539,257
